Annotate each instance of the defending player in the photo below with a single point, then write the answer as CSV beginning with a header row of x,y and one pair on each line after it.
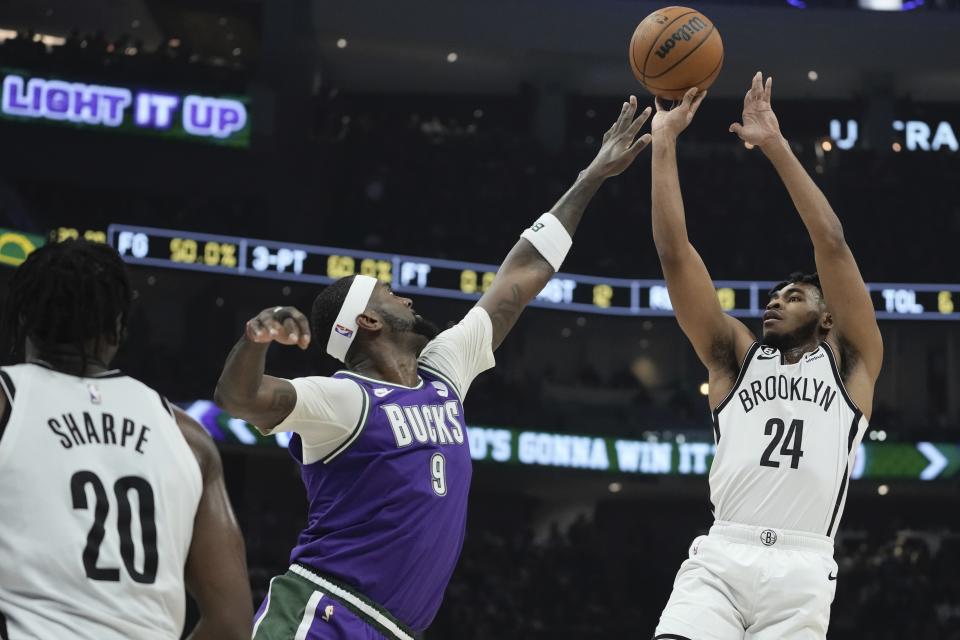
x,y
382,445
789,410
111,500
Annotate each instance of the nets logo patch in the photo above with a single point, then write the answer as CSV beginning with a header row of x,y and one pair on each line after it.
x,y
342,330
766,353
768,537
441,388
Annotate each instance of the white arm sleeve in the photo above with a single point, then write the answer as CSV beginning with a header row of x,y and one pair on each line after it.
x,y
325,415
463,351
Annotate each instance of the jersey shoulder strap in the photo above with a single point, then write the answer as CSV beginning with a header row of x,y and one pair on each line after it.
x,y
9,391
835,367
747,359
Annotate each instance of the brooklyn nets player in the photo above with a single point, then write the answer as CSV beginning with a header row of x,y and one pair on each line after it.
x,y
111,499
788,411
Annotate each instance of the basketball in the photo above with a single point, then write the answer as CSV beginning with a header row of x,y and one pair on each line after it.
x,y
673,49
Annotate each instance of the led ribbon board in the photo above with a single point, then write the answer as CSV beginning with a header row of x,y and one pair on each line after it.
x,y
222,120
411,275
652,457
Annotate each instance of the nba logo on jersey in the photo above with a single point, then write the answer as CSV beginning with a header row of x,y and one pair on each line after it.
x,y
768,537
441,389
342,330
95,397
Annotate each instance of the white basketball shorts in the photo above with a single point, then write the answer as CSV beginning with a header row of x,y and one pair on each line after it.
x,y
752,583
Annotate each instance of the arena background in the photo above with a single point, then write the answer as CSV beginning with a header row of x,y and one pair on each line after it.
x,y
415,141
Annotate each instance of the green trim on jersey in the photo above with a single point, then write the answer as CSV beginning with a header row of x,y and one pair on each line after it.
x,y
375,381
364,413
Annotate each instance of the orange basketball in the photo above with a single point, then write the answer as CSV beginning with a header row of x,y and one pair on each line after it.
x,y
674,49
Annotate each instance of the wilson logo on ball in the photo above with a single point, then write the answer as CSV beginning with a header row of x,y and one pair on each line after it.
x,y
674,49
684,33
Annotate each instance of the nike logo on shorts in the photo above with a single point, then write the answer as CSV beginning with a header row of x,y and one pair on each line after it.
x,y
831,577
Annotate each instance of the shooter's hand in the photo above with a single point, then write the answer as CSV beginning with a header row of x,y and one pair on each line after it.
x,y
285,325
671,122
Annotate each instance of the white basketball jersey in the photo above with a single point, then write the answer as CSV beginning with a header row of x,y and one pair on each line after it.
x,y
100,490
786,437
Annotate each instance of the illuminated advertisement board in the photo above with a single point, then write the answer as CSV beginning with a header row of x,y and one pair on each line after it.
x,y
680,456
217,119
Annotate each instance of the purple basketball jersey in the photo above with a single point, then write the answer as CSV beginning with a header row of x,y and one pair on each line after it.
x,y
388,509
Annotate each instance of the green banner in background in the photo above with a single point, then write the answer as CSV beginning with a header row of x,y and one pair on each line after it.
x,y
681,456
15,246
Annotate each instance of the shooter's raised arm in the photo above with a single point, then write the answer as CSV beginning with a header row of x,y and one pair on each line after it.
x,y
855,329
719,340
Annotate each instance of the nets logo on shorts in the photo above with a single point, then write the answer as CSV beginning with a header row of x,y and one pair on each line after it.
x,y
342,330
768,537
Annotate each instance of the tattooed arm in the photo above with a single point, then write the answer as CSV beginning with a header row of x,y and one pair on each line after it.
x,y
243,390
524,272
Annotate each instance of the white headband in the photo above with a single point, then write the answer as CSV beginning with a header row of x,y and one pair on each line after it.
x,y
344,330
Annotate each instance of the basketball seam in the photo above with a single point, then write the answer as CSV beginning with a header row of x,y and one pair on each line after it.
x,y
665,27
695,84
713,29
633,59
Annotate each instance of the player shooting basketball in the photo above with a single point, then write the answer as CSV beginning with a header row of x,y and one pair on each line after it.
x,y
789,410
382,445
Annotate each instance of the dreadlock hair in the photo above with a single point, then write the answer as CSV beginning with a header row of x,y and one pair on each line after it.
x,y
801,278
326,308
67,294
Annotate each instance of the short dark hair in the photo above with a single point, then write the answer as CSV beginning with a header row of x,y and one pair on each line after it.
x,y
68,293
326,308
799,277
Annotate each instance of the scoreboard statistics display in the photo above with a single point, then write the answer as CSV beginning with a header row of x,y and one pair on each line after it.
x,y
167,248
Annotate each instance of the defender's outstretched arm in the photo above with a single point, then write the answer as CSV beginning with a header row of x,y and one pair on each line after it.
x,y
525,271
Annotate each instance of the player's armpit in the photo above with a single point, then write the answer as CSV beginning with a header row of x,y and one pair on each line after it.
x,y
216,569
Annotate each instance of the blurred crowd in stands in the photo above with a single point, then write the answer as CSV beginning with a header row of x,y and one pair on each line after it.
x,y
576,586
125,58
